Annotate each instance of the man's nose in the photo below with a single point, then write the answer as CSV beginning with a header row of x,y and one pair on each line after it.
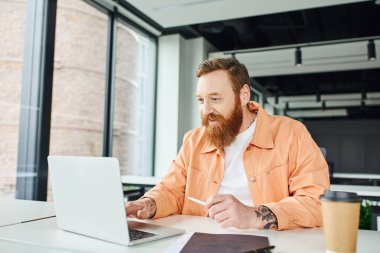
x,y
207,108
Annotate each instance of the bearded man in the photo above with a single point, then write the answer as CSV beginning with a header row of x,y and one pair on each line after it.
x,y
253,170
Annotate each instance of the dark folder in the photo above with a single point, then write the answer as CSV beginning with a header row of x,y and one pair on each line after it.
x,y
210,243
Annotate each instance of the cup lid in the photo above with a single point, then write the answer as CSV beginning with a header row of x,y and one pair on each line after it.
x,y
341,196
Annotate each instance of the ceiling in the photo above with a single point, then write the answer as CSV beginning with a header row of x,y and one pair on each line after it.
x,y
173,13
254,24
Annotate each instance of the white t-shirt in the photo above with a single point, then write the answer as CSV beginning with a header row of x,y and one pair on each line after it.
x,y
235,180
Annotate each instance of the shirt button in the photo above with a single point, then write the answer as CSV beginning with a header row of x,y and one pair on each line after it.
x,y
252,179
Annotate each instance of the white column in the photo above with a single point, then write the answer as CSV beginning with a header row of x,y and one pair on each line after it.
x,y
177,110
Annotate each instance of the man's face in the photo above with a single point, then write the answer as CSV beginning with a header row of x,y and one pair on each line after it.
x,y
219,107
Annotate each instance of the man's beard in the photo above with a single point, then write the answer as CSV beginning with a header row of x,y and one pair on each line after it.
x,y
225,131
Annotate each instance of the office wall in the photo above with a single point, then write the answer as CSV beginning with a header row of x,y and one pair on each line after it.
x,y
176,108
352,145
193,53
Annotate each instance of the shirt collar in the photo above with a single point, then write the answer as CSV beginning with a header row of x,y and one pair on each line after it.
x,y
208,147
263,135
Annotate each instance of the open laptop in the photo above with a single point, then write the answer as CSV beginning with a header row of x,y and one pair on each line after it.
x,y
88,200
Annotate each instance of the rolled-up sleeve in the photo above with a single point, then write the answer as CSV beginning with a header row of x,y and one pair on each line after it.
x,y
308,179
169,193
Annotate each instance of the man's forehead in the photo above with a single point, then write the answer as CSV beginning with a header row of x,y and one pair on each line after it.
x,y
216,82
208,89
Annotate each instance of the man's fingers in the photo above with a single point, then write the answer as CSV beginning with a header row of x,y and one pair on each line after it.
x,y
145,213
221,216
133,208
216,209
227,223
143,208
215,200
142,214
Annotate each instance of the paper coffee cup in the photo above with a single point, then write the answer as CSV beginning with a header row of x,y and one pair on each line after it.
x,y
341,214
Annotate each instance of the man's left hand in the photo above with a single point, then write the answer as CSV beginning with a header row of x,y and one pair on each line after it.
x,y
230,212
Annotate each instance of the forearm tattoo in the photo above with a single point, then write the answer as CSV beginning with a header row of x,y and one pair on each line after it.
x,y
267,216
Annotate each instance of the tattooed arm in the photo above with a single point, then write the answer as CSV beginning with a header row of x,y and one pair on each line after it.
x,y
267,217
230,212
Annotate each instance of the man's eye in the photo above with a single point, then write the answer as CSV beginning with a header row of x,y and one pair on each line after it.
x,y
200,100
215,99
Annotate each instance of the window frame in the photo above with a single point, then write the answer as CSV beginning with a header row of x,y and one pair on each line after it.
x,y
37,89
34,126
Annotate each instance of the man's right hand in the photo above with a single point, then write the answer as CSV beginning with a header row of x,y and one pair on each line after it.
x,y
144,208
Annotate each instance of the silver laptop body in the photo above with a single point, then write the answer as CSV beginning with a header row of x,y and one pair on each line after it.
x,y
88,200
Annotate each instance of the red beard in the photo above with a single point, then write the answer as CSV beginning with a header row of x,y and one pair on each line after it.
x,y
224,132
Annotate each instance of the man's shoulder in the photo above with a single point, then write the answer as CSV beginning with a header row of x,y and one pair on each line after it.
x,y
285,129
194,135
284,122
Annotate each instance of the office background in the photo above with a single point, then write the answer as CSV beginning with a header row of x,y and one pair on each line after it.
x,y
116,78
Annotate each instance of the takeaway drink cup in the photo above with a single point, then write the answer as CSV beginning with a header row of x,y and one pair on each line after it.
x,y
340,212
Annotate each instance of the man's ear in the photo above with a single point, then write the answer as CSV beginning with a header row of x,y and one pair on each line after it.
x,y
245,94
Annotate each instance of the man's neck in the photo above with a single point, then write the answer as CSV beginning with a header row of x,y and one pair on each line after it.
x,y
248,119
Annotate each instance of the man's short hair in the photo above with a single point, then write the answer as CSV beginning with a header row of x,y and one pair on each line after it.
x,y
237,72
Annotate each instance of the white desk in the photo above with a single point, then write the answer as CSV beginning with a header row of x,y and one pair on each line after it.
x,y
140,181
15,247
13,211
361,190
356,176
45,233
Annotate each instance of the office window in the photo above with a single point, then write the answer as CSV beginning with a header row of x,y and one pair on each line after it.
x,y
12,26
133,125
79,80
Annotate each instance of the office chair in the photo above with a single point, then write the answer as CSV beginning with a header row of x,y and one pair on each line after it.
x,y
329,164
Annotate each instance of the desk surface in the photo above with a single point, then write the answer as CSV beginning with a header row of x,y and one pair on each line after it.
x,y
139,180
13,211
45,233
15,247
361,190
356,176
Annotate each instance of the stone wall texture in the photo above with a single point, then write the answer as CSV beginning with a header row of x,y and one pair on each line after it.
x,y
12,29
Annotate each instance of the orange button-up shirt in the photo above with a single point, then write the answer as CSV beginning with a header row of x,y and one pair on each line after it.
x,y
285,169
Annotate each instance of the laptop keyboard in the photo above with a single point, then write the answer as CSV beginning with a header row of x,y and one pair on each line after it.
x,y
137,234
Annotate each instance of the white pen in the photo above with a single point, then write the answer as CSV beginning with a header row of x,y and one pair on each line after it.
x,y
197,201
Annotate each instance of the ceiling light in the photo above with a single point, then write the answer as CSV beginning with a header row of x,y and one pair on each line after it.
x,y
371,50
298,57
317,113
327,101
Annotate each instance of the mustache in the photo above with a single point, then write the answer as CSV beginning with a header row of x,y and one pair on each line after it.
x,y
211,116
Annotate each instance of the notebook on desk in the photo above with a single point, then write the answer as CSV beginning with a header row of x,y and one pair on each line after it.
x,y
216,243
88,200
